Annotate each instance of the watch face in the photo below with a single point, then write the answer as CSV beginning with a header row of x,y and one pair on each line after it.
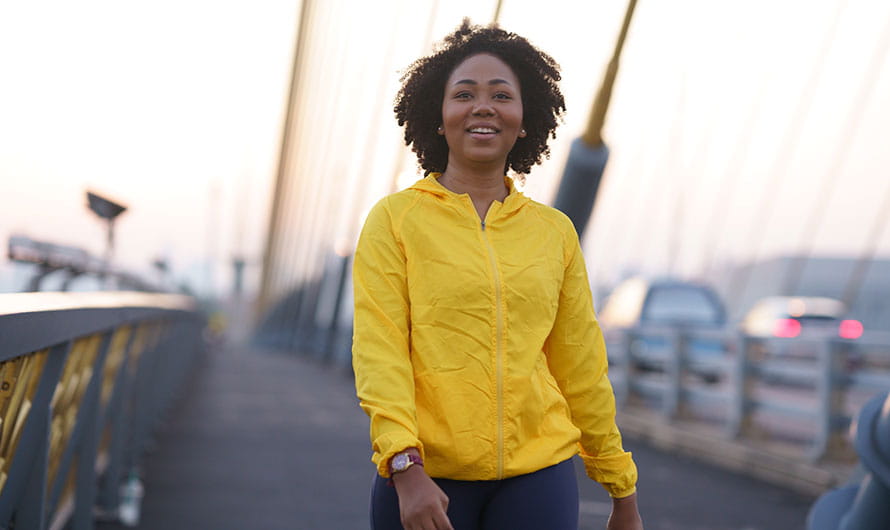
x,y
400,462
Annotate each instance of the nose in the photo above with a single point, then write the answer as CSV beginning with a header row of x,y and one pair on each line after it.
x,y
483,108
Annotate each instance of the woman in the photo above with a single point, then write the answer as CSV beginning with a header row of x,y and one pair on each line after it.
x,y
476,351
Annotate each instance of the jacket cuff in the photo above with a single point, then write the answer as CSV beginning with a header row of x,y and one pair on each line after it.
x,y
388,446
617,473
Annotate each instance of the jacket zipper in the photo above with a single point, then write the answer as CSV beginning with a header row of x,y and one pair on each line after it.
x,y
499,353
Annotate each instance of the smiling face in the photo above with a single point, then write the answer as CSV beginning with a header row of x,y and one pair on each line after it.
x,y
481,112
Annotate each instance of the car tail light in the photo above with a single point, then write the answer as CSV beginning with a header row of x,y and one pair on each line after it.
x,y
787,328
850,329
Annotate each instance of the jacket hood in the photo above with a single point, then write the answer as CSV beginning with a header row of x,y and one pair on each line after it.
x,y
430,184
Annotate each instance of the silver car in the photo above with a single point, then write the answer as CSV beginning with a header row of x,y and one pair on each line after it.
x,y
650,310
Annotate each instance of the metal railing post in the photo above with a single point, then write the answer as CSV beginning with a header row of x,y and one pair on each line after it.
x,y
330,339
84,419
618,370
741,382
627,367
108,497
24,493
288,335
86,487
675,367
831,391
147,387
31,511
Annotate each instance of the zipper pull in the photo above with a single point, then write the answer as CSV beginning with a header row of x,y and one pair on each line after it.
x,y
483,225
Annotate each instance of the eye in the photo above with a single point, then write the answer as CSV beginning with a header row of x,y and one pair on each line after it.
x,y
502,95
462,95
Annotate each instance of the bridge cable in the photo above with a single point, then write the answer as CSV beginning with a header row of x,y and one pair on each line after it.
x,y
829,181
860,270
309,192
267,283
723,201
623,190
403,150
741,274
495,20
643,229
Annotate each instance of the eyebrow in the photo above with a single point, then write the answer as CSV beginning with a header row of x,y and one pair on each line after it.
x,y
492,82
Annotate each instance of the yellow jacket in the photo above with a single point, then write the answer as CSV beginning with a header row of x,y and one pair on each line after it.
x,y
477,343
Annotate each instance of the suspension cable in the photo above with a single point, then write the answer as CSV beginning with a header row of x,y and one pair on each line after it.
x,y
741,275
860,270
497,13
829,181
719,214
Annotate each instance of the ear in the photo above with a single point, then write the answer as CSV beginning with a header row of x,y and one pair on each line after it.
x,y
440,131
522,133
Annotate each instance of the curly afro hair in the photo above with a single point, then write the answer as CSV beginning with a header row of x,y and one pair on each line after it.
x,y
418,104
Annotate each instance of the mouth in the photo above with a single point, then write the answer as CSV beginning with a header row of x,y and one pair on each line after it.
x,y
483,130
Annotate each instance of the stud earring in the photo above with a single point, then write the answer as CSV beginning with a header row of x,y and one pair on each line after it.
x,y
440,130
522,133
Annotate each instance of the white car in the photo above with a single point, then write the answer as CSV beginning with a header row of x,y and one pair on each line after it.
x,y
806,318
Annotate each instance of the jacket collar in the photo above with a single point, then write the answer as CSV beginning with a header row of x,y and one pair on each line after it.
x,y
430,184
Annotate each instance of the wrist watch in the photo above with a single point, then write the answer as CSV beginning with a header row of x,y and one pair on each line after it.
x,y
403,461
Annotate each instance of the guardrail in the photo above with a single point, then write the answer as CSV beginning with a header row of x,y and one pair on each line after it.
x,y
83,380
800,390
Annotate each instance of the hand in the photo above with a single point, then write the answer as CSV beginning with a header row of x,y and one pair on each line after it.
x,y
625,514
422,504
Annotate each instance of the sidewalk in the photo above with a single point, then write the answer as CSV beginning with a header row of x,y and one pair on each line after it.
x,y
265,440
260,440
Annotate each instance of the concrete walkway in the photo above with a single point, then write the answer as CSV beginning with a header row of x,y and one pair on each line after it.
x,y
266,440
260,440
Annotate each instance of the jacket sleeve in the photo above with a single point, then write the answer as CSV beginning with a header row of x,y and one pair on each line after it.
x,y
384,377
576,356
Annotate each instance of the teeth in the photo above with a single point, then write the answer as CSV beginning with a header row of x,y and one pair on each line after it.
x,y
483,130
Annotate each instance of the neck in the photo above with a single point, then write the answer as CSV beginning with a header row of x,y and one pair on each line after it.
x,y
482,185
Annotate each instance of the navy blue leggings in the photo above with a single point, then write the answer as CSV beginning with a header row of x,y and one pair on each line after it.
x,y
544,499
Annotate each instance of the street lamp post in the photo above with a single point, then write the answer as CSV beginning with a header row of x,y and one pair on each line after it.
x,y
108,210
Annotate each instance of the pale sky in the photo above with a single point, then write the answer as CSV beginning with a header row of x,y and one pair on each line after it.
x,y
732,124
154,104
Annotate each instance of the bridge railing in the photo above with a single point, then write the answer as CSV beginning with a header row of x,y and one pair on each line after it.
x,y
796,391
84,378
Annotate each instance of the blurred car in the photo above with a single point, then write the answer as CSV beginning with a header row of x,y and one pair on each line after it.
x,y
811,319
647,307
